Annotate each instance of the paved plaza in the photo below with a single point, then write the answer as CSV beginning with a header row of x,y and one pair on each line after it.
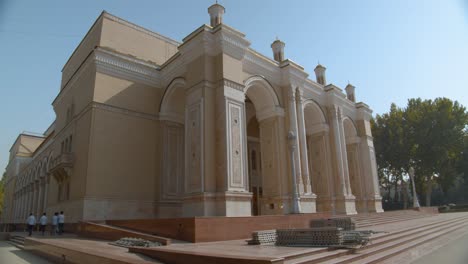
x,y
10,254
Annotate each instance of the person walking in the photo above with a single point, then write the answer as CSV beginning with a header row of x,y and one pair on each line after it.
x,y
43,223
31,221
53,231
61,222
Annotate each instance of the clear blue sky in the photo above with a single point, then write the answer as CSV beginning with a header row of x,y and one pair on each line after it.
x,y
390,50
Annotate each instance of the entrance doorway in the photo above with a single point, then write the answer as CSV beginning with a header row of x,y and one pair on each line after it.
x,y
255,159
255,175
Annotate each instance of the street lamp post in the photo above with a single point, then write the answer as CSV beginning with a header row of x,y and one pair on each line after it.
x,y
415,197
296,206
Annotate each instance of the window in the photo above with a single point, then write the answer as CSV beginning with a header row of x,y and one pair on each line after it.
x,y
254,160
59,196
66,145
70,144
67,194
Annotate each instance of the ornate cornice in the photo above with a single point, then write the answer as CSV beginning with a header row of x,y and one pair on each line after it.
x,y
231,84
126,67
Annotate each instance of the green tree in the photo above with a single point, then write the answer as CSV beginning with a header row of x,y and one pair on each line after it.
x,y
429,135
392,152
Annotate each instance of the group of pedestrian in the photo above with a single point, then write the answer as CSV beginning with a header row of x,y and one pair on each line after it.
x,y
58,221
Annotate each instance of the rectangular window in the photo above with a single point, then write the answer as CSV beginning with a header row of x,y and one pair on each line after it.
x,y
70,144
67,197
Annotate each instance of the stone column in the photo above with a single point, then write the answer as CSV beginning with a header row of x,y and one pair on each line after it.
x,y
296,205
15,206
24,208
31,199
344,155
231,138
344,201
303,143
23,204
18,211
20,205
293,128
369,167
46,193
36,198
39,198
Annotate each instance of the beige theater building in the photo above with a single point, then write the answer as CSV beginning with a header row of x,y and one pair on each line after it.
x,y
147,127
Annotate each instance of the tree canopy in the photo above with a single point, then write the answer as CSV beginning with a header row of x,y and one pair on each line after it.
x,y
428,135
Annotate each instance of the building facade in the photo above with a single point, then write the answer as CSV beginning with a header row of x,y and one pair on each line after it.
x,y
150,127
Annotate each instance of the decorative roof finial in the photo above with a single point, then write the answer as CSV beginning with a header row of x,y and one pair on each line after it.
x,y
278,50
216,12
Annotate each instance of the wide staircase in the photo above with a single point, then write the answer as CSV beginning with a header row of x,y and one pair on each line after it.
x,y
17,241
429,230
374,219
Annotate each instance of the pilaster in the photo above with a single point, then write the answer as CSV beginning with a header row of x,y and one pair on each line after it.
x,y
369,167
344,200
231,142
303,143
293,127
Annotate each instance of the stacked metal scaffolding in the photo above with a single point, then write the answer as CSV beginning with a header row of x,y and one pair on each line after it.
x,y
264,237
335,232
344,222
318,237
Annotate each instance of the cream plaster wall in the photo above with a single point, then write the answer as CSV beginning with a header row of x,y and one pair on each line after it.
x,y
128,40
89,42
79,94
122,157
126,94
25,145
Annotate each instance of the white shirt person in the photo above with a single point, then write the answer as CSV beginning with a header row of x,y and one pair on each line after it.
x,y
31,221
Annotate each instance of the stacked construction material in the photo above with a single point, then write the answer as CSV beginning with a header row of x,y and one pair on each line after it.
x,y
334,232
344,222
356,238
264,237
311,237
134,242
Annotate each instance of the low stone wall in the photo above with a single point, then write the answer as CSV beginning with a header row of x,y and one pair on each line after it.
x,y
105,232
207,229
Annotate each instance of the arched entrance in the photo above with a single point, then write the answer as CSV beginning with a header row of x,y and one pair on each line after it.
x,y
352,150
265,147
317,149
172,120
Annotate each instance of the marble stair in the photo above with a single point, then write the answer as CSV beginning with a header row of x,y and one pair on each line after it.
x,y
386,245
17,241
367,220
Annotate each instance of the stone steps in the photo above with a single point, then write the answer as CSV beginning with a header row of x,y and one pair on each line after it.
x,y
388,250
17,241
385,219
382,243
